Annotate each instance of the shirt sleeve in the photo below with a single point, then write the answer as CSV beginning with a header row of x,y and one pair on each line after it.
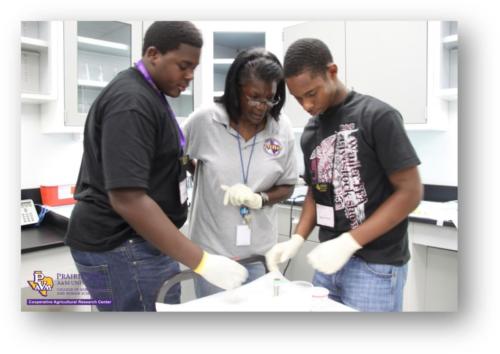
x,y
289,175
305,143
189,129
393,147
127,147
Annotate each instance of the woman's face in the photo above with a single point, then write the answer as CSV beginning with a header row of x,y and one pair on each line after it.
x,y
256,98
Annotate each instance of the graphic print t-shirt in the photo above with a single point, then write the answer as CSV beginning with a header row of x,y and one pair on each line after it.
x,y
349,152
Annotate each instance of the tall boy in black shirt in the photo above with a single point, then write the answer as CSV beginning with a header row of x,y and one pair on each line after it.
x,y
363,181
131,189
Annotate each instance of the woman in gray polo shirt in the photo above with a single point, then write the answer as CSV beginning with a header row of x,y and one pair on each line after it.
x,y
243,152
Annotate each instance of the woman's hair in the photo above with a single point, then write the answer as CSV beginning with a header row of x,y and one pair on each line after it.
x,y
250,65
307,54
169,35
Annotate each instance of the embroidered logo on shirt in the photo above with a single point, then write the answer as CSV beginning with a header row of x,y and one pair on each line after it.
x,y
272,147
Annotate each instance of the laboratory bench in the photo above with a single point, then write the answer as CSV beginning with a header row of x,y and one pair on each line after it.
x,y
438,207
432,282
432,277
49,234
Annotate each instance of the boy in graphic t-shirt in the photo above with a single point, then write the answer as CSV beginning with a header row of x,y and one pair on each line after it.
x,y
363,181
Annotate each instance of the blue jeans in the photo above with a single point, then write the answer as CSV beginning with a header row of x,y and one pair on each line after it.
x,y
204,288
129,275
366,286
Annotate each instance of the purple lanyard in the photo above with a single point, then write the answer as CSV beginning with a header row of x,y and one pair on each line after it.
x,y
142,68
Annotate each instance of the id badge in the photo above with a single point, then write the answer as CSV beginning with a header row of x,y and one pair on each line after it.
x,y
325,215
243,235
183,191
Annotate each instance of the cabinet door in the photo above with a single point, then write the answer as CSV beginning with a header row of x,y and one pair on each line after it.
x,y
333,34
388,60
39,40
299,268
95,51
441,280
226,46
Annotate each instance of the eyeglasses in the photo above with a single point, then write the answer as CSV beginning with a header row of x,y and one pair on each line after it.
x,y
253,102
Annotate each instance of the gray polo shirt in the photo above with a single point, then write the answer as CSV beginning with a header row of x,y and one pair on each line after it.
x,y
211,140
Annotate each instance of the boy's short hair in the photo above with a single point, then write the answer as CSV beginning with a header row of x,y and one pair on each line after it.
x,y
309,54
169,35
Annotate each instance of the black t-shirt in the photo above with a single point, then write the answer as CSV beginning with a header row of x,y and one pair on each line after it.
x,y
349,152
130,141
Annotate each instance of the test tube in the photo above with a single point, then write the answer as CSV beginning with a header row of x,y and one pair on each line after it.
x,y
276,287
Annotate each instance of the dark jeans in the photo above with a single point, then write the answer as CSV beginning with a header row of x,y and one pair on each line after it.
x,y
129,275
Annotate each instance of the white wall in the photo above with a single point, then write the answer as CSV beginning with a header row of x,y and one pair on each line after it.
x,y
438,152
47,158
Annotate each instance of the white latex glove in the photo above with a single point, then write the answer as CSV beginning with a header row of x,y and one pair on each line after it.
x,y
283,251
328,257
239,194
221,271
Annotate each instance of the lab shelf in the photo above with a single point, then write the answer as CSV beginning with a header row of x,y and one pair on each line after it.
x,y
92,83
35,98
103,47
34,44
39,42
226,61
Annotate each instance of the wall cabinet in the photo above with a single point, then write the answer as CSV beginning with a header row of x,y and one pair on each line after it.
x,y
89,54
226,46
330,32
385,59
299,268
395,61
412,65
39,46
388,60
432,283
94,52
222,41
442,73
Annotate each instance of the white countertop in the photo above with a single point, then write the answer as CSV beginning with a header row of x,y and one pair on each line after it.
x,y
258,296
439,211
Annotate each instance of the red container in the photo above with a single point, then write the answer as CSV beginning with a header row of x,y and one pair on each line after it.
x,y
57,195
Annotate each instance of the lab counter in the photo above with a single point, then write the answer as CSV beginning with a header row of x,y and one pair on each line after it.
x,y
49,234
431,212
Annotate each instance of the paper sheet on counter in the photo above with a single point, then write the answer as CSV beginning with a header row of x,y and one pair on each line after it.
x,y
439,211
